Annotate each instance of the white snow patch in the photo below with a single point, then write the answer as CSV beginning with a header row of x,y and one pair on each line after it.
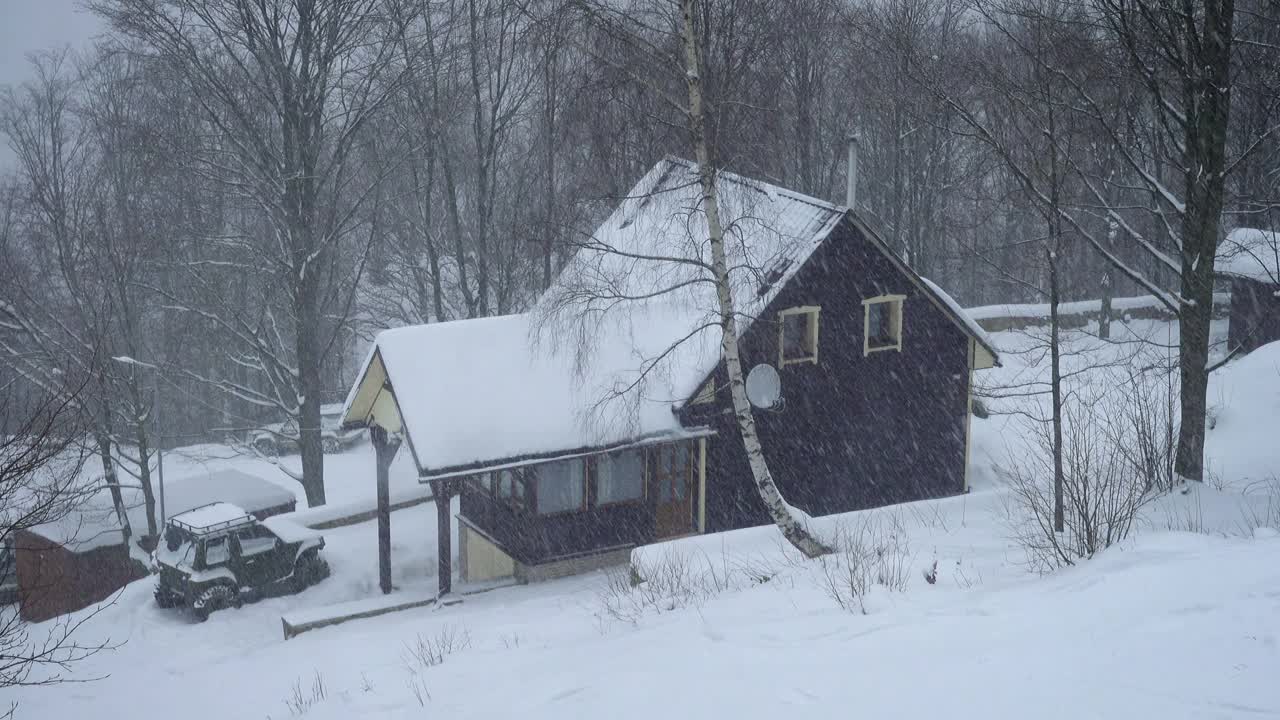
x,y
1252,254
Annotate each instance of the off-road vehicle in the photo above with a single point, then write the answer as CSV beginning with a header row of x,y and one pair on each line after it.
x,y
218,556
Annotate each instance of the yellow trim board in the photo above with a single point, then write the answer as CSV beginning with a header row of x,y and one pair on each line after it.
x,y
702,485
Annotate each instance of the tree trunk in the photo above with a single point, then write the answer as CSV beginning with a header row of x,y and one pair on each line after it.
x,y
1193,362
1209,93
144,475
1055,370
1104,314
310,447
113,482
784,515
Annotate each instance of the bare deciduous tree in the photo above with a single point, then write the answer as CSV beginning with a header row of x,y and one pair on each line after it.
x,y
40,483
287,88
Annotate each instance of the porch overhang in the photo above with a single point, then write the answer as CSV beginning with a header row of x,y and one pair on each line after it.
x,y
510,463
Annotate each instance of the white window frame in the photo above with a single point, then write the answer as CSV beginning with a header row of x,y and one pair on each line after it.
x,y
895,319
813,312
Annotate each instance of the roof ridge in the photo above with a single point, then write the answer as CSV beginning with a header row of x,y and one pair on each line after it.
x,y
762,185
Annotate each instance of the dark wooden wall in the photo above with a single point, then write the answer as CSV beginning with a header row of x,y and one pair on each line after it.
x,y
1255,314
53,581
855,432
531,538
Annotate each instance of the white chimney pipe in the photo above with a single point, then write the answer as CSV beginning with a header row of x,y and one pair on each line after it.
x,y
851,190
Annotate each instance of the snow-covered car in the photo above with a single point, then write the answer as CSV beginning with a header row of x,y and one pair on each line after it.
x,y
280,438
218,556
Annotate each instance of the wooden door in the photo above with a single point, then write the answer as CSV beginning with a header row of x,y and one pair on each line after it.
x,y
673,489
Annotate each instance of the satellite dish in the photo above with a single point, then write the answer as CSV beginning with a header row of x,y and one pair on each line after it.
x,y
764,387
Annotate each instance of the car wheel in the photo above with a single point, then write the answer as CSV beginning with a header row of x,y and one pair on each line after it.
x,y
310,569
330,446
214,598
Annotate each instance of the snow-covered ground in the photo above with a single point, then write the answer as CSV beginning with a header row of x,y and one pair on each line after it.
x,y
1170,624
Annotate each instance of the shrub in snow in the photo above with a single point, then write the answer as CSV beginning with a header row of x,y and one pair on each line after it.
x,y
427,651
1103,489
1265,514
870,551
1146,430
431,650
300,700
677,579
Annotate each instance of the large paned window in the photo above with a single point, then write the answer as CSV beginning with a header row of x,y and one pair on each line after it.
x,y
561,486
511,486
619,477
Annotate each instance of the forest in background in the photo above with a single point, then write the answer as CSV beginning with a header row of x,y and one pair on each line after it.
x,y
218,202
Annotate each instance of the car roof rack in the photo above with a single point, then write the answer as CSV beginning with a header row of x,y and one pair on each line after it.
x,y
210,529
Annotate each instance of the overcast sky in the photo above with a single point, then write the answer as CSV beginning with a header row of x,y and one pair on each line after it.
x,y
27,25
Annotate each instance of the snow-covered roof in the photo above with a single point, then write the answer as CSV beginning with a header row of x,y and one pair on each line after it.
x,y
627,331
595,363
94,524
250,492
964,317
1252,254
209,515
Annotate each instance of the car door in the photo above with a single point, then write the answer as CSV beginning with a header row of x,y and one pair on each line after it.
x,y
257,556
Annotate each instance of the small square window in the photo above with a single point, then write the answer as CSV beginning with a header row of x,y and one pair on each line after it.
x,y
509,485
798,336
882,324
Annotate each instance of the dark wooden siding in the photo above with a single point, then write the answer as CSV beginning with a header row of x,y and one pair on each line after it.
x,y
1255,314
855,431
53,580
531,538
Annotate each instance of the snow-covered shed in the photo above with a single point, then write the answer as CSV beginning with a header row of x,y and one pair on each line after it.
x,y
82,558
596,421
1250,258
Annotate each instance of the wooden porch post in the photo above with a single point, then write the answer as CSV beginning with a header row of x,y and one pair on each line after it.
x,y
443,491
384,450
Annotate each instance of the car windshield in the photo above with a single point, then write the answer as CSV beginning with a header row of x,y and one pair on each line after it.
x,y
177,549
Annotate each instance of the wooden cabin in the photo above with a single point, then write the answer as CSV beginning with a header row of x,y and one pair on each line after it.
x,y
1250,259
598,421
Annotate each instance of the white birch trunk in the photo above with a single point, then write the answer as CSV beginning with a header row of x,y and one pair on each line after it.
x,y
787,518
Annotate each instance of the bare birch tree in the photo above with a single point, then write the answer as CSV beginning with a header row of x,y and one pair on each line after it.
x,y
784,515
678,45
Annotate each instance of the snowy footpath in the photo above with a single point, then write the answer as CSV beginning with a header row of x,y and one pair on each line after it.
x,y
1182,620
